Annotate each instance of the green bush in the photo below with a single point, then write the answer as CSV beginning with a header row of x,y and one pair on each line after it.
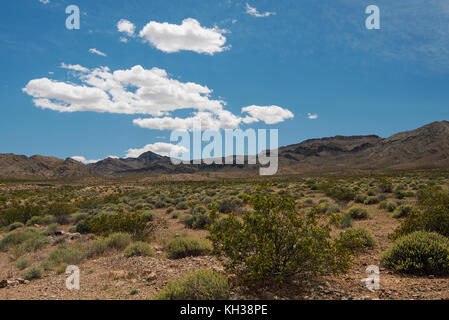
x,y
23,241
33,273
83,226
360,198
15,225
432,214
198,285
139,249
184,247
402,211
229,205
275,241
134,224
356,239
198,220
61,257
118,241
182,206
421,253
358,213
371,200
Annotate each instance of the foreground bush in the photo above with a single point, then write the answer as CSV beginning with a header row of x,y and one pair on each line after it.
x,y
139,249
197,220
199,285
356,239
275,241
61,257
422,253
184,247
402,211
33,273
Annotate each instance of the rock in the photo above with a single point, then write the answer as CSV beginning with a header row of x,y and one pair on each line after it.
x,y
20,280
3,283
150,275
12,283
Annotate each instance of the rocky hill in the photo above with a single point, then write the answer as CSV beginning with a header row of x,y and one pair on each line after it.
x,y
424,148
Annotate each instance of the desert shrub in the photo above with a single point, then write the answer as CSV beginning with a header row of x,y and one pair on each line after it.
x,y
198,285
35,220
15,225
134,224
346,220
432,214
308,202
83,226
275,241
23,241
337,192
22,264
385,185
61,257
402,211
52,228
170,210
96,248
118,240
33,273
371,200
360,198
139,249
61,211
229,205
182,206
198,220
356,239
148,215
419,253
77,217
358,213
178,248
18,214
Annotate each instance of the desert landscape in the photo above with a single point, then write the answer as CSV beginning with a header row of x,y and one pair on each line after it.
x,y
142,236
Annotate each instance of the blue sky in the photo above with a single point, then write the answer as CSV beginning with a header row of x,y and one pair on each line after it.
x,y
281,60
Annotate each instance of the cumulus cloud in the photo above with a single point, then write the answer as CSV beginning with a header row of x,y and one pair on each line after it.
x,y
126,27
269,114
190,35
84,160
148,92
44,1
98,52
133,91
312,116
253,12
75,67
161,148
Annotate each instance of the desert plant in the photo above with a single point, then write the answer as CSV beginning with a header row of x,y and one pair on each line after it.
x,y
33,273
275,241
402,211
184,247
139,249
356,239
419,253
198,285
358,213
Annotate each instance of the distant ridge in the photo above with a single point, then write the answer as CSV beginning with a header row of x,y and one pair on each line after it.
x,y
423,148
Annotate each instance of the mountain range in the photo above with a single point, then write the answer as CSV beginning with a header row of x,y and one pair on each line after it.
x,y
423,148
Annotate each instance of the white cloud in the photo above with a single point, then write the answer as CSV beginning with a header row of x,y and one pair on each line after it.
x,y
190,35
147,92
123,39
133,91
161,148
75,67
268,114
126,27
253,12
312,116
44,1
86,161
98,52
